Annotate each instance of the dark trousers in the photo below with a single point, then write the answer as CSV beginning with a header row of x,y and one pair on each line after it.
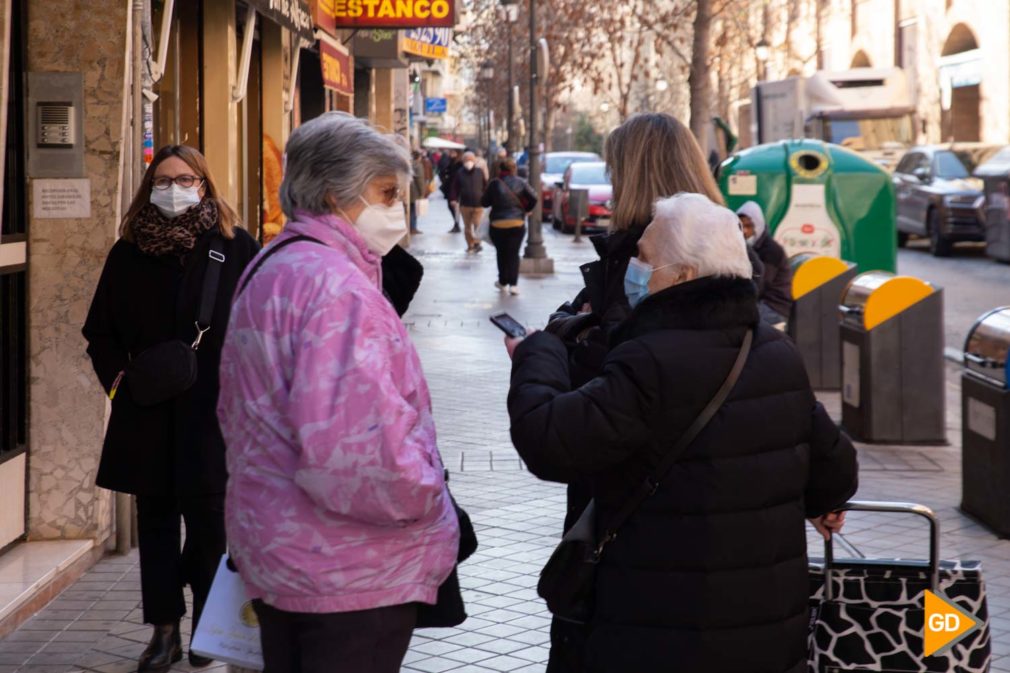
x,y
365,641
166,565
507,243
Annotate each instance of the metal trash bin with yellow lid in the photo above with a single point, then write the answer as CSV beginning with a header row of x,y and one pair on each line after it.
x,y
985,431
818,283
893,383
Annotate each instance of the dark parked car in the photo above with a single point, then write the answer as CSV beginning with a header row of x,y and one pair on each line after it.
x,y
937,197
593,177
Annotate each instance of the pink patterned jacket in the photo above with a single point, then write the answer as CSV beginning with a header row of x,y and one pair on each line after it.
x,y
336,497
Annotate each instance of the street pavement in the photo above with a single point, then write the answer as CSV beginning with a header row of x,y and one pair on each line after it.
x,y
95,625
972,283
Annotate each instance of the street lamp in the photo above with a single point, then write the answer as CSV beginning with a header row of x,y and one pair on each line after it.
x,y
763,52
604,107
486,75
535,259
510,13
662,85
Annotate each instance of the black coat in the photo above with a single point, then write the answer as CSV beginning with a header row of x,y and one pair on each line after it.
x,y
468,187
174,447
776,285
710,574
505,195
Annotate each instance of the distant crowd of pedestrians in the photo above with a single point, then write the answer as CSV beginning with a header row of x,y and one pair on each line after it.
x,y
274,401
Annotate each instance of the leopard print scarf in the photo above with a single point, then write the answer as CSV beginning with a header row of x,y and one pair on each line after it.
x,y
157,235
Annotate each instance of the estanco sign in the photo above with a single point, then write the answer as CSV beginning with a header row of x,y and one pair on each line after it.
x,y
386,13
337,67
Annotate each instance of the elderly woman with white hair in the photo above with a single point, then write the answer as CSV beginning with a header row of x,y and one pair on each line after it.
x,y
337,511
708,572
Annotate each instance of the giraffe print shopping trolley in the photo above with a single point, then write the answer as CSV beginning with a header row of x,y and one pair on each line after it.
x,y
872,614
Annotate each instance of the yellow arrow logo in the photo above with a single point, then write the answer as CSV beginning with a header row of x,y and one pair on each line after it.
x,y
945,625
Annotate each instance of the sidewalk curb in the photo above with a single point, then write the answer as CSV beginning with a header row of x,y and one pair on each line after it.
x,y
955,355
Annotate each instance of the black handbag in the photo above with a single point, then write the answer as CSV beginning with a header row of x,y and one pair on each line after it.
x,y
869,614
169,369
448,609
567,582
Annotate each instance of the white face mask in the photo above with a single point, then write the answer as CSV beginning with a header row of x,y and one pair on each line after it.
x,y
381,226
175,200
468,165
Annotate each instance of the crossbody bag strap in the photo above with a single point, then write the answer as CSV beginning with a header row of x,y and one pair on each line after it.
x,y
651,483
286,242
208,294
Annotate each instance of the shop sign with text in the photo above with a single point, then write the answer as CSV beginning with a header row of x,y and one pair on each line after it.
x,y
338,70
291,14
333,14
428,43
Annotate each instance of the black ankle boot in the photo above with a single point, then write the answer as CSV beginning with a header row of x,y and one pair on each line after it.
x,y
196,661
164,649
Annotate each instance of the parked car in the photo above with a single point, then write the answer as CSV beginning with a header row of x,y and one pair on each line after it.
x,y
554,166
938,198
592,176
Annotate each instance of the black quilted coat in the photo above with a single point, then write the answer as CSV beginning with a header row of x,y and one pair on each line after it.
x,y
710,574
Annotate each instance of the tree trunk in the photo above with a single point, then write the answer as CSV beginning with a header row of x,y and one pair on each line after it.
x,y
698,81
550,117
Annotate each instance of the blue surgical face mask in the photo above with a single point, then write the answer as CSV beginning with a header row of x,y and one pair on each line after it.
x,y
636,280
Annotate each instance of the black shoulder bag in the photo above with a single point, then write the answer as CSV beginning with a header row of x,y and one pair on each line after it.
x,y
567,581
169,369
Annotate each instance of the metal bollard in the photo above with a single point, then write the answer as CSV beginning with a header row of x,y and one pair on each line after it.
x,y
578,204
893,385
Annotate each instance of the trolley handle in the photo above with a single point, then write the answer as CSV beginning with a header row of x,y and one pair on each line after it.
x,y
893,507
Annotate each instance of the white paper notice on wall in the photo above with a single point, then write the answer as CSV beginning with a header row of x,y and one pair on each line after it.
x,y
850,374
741,184
982,419
61,199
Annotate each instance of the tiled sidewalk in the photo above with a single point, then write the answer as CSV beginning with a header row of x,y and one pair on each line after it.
x,y
96,624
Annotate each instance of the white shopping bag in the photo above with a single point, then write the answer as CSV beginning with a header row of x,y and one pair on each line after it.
x,y
229,630
422,207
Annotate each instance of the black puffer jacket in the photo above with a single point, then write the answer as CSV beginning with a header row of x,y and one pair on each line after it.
x,y
505,197
710,574
776,285
468,187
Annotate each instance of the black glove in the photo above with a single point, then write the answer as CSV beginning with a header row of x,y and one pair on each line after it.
x,y
569,328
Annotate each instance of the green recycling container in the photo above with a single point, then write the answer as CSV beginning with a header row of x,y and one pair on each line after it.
x,y
817,198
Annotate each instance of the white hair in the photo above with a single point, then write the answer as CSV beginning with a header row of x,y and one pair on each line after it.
x,y
690,231
335,156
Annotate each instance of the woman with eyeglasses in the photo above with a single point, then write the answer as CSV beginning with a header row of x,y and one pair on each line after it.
x,y
166,289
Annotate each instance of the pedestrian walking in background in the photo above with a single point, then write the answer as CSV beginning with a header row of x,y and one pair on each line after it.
x,y
468,190
649,157
448,166
418,188
168,283
708,574
482,164
500,156
510,199
775,286
338,515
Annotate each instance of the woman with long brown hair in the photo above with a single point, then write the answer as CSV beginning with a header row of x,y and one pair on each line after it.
x,y
154,332
650,156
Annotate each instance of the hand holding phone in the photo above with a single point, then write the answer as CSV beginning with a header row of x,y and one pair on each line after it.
x,y
506,323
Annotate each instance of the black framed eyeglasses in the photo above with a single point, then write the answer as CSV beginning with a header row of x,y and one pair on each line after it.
x,y
184,181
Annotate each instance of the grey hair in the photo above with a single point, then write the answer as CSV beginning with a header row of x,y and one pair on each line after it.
x,y
332,158
690,231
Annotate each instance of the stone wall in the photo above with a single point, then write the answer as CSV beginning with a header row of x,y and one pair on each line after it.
x,y
67,407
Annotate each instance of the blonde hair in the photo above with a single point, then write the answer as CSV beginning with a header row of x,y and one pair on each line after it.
x,y
651,156
227,219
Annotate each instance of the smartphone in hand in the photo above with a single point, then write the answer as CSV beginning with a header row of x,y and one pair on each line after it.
x,y
509,325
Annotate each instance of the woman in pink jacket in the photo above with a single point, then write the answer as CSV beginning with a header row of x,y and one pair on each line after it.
x,y
337,512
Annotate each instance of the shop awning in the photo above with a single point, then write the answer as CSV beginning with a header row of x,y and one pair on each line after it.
x,y
436,143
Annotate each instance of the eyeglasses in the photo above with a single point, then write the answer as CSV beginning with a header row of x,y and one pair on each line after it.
x,y
391,194
184,181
